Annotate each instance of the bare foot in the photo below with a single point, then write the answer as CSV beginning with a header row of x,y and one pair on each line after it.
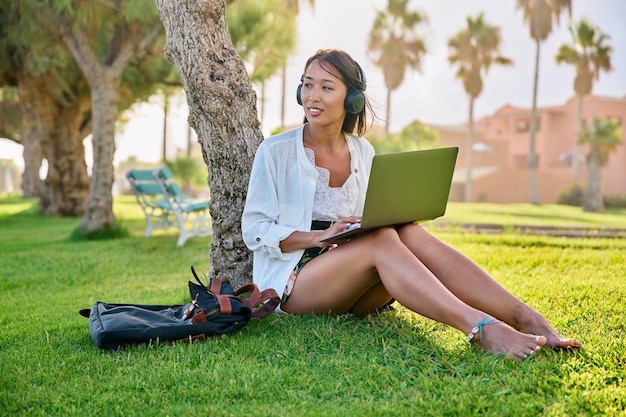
x,y
539,325
499,338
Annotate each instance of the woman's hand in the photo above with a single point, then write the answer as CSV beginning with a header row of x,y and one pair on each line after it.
x,y
339,226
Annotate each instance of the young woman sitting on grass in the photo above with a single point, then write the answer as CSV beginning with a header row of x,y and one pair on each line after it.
x,y
309,183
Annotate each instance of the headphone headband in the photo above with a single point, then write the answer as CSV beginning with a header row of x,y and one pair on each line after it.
x,y
362,81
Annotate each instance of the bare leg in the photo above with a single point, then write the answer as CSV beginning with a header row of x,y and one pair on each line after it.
x,y
374,299
477,288
337,280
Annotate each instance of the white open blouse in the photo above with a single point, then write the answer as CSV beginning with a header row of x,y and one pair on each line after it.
x,y
332,203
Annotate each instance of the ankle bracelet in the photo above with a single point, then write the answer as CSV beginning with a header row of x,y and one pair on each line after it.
x,y
478,330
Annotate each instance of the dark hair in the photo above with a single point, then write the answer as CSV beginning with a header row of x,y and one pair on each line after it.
x,y
350,74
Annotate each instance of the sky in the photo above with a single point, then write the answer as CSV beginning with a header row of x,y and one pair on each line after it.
x,y
433,95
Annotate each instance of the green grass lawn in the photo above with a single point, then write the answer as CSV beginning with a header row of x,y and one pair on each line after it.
x,y
394,364
530,214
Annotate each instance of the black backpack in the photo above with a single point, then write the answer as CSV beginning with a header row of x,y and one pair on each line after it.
x,y
214,310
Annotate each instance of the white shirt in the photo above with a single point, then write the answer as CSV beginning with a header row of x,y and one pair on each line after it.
x,y
280,201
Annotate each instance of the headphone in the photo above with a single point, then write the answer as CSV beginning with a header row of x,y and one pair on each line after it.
x,y
355,99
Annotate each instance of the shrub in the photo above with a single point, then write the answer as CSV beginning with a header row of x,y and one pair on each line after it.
x,y
572,196
615,201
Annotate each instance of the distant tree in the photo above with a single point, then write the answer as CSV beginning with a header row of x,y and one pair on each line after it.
x,y
411,138
602,136
167,90
287,90
103,49
473,50
189,171
224,115
53,89
590,55
539,14
54,105
20,124
395,45
263,33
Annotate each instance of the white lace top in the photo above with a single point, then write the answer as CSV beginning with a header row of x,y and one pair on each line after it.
x,y
332,203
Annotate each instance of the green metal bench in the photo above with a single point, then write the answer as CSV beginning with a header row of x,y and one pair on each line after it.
x,y
165,205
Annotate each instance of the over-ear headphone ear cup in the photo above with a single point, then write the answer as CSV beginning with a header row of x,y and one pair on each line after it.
x,y
298,92
354,102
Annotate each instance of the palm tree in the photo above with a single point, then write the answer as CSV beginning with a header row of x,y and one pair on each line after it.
x,y
474,49
539,15
590,55
293,8
263,34
394,45
602,136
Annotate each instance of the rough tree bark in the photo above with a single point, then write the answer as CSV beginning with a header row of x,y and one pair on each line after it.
x,y
60,141
32,186
593,197
20,123
66,185
224,115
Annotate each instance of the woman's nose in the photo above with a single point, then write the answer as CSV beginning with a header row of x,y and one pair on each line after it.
x,y
315,95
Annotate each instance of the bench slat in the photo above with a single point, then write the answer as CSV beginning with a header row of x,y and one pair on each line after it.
x,y
141,174
150,188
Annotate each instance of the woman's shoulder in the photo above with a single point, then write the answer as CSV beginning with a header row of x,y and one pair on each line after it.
x,y
281,147
280,138
360,143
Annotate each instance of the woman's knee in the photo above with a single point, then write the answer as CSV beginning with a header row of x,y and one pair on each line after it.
x,y
385,236
412,232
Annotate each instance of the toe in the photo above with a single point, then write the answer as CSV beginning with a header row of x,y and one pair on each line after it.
x,y
541,341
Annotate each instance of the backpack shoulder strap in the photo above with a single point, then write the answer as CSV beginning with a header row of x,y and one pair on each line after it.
x,y
260,302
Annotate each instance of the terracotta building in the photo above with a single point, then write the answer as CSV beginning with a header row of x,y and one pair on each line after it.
x,y
501,145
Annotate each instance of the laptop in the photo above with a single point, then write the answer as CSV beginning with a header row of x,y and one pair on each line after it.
x,y
404,187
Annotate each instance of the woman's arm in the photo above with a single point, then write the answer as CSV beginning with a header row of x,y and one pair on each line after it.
x,y
304,240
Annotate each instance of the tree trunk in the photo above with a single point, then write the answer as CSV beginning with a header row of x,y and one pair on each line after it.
x,y
31,133
593,196
388,114
223,113
53,132
532,158
470,154
166,102
283,94
576,150
66,186
32,185
99,215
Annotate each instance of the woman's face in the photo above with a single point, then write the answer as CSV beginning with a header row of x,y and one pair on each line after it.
x,y
323,95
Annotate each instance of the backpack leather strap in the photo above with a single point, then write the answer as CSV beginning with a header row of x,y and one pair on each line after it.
x,y
267,299
216,287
